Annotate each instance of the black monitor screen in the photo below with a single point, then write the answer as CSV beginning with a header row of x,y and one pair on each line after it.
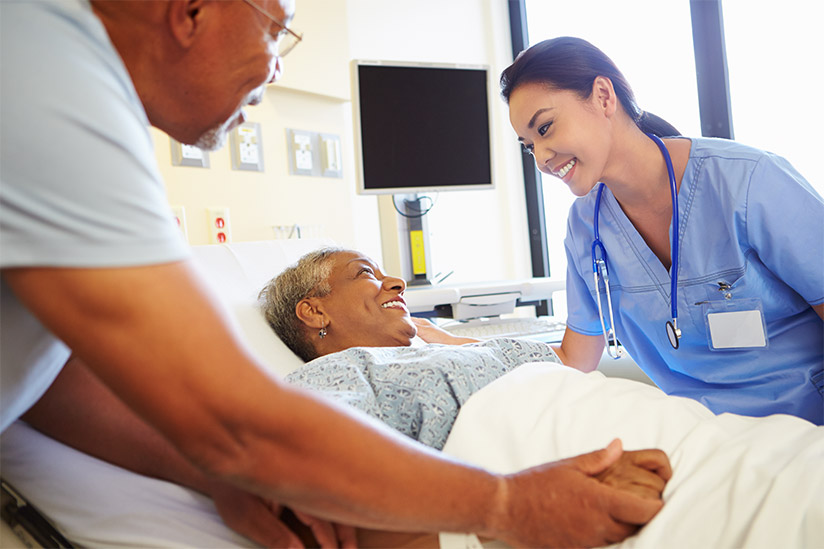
x,y
423,128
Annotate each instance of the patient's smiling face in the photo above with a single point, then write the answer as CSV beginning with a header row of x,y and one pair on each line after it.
x,y
365,308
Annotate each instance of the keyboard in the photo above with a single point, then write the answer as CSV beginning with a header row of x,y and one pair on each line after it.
x,y
507,327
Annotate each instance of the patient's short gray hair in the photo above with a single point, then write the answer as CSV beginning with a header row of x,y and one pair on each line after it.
x,y
309,277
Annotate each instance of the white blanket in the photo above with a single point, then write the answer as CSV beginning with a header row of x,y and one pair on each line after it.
x,y
737,481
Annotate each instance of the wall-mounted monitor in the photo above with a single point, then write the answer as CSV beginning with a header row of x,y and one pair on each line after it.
x,y
421,127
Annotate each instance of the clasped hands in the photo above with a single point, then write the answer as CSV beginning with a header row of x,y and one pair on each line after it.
x,y
585,501
589,500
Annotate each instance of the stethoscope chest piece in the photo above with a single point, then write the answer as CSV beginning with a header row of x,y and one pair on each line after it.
x,y
674,334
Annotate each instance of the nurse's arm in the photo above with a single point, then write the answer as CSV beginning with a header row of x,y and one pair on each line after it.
x,y
819,309
580,351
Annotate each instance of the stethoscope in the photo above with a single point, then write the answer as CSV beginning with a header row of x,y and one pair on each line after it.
x,y
599,266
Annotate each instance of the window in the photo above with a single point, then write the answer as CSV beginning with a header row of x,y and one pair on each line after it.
x,y
651,42
773,59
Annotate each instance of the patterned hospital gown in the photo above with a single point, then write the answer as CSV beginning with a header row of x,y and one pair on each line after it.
x,y
417,390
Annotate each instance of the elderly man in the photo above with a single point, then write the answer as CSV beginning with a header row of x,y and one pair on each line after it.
x,y
93,265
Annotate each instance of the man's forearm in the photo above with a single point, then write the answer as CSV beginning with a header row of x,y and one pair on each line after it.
x,y
224,412
377,479
81,412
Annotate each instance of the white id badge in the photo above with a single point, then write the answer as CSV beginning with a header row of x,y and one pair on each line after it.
x,y
736,324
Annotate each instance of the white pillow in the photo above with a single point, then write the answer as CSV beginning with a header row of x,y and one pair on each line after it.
x,y
263,341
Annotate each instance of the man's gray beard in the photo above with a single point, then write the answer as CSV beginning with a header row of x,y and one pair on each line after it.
x,y
212,139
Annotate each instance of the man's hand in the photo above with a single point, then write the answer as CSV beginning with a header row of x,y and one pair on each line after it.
x,y
642,472
261,521
584,511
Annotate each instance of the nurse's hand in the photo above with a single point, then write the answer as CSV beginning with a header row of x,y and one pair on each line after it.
x,y
431,333
642,472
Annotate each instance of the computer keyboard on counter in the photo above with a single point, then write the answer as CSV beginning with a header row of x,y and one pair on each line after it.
x,y
507,327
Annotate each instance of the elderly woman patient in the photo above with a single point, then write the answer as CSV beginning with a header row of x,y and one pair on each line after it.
x,y
337,311
349,322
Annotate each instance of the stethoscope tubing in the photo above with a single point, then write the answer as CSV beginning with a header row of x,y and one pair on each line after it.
x,y
675,226
598,247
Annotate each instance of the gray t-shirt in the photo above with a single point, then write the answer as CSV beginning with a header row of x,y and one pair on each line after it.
x,y
79,184
417,390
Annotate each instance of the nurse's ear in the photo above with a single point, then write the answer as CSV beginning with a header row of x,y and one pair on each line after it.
x,y
603,96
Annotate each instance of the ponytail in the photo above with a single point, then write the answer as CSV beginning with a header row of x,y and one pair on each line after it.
x,y
650,123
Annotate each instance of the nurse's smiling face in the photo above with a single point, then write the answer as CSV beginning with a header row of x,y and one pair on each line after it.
x,y
365,308
568,136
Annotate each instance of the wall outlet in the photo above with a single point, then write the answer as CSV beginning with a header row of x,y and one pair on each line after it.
x,y
180,216
220,228
330,156
188,155
247,147
301,147
313,153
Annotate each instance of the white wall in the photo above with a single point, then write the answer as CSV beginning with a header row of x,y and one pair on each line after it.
x,y
478,234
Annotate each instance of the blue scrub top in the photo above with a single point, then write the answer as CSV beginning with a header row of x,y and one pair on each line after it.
x,y
748,219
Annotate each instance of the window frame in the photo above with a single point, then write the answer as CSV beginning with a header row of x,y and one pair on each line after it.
x,y
713,105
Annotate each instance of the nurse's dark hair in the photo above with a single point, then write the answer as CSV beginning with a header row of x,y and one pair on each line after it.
x,y
573,64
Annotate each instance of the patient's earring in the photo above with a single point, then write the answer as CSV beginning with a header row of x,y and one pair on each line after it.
x,y
322,332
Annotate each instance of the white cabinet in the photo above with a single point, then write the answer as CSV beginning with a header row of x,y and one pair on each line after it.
x,y
320,63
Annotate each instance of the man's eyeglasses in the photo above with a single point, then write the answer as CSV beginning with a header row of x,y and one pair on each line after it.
x,y
286,38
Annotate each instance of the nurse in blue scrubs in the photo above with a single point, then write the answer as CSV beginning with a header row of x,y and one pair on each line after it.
x,y
744,255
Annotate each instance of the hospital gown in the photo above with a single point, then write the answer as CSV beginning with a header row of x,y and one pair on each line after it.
x,y
417,390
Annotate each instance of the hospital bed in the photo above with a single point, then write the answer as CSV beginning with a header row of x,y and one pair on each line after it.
x,y
74,490
723,494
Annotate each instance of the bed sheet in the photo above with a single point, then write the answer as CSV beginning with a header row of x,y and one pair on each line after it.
x,y
96,504
737,481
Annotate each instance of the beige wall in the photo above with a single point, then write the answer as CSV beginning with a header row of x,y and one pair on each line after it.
x,y
478,234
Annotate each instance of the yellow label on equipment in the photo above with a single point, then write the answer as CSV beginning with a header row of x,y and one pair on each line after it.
x,y
418,253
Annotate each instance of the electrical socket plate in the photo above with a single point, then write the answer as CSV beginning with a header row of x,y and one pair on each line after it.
x,y
220,227
313,153
180,216
188,155
330,154
247,147
301,147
